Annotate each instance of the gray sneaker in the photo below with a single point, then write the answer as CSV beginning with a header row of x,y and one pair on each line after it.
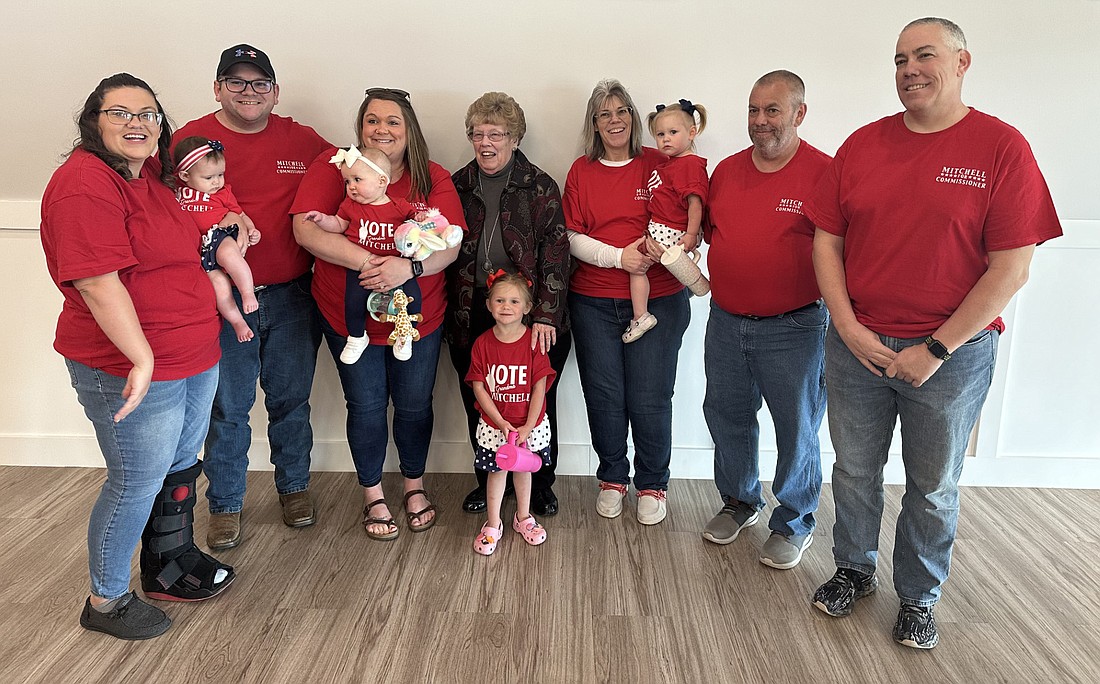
x,y
734,517
782,552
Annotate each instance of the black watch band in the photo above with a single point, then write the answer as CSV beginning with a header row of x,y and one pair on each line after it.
x,y
418,268
937,348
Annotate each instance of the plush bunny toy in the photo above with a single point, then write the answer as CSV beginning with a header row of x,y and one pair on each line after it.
x,y
418,239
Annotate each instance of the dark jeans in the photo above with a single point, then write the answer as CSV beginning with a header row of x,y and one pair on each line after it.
x,y
480,321
369,385
629,386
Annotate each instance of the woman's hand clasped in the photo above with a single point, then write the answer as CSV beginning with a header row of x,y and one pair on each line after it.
x,y
384,273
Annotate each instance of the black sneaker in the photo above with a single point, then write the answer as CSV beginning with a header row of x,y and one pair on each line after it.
x,y
132,619
916,627
837,596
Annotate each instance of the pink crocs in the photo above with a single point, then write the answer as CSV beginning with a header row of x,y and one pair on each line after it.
x,y
532,532
488,539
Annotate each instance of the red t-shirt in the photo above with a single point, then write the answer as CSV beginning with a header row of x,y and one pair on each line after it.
x,y
266,168
323,190
761,244
671,184
509,371
921,212
611,204
207,210
371,226
95,222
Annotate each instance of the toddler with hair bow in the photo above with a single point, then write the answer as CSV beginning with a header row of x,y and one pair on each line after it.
x,y
509,377
207,198
678,191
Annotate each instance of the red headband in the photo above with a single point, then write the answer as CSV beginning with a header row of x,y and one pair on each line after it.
x,y
198,153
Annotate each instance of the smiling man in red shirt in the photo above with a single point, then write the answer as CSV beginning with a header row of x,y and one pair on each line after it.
x,y
927,221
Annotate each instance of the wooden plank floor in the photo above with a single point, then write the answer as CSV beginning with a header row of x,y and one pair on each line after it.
x,y
601,601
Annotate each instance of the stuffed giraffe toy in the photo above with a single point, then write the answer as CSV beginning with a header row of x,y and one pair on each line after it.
x,y
404,334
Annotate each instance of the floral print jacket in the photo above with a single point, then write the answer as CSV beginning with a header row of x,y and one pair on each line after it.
x,y
533,226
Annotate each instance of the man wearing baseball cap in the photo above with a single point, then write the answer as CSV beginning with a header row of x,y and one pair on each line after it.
x,y
266,157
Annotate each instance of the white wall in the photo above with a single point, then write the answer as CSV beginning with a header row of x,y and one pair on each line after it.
x,y
1033,67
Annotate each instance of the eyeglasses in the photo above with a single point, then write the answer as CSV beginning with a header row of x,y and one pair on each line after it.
x,y
371,92
260,86
122,117
606,115
495,136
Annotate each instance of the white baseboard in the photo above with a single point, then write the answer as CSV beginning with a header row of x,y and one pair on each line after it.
x,y
579,459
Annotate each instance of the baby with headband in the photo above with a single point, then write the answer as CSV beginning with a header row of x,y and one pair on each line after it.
x,y
369,217
205,197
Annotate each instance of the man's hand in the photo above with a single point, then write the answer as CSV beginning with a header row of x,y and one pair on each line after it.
x,y
914,365
866,347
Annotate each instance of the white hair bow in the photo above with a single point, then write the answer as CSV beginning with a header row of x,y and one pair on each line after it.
x,y
351,155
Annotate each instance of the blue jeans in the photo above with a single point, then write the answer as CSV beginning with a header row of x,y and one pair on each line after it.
x,y
283,355
369,385
629,385
780,360
162,435
936,421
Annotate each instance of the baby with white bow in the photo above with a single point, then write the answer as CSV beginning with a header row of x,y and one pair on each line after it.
x,y
369,217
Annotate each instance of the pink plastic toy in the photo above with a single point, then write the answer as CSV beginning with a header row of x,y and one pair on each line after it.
x,y
516,458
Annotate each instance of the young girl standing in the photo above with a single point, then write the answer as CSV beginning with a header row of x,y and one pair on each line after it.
x,y
207,199
678,190
509,377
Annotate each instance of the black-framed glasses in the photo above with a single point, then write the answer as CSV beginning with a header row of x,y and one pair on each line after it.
x,y
260,86
397,92
122,117
494,136
605,116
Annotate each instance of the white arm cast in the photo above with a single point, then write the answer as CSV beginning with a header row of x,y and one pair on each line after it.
x,y
592,251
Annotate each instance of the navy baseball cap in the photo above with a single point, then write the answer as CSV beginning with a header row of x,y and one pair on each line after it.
x,y
244,53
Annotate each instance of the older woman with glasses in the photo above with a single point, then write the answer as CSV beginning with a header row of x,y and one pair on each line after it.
x,y
387,122
625,385
139,333
514,217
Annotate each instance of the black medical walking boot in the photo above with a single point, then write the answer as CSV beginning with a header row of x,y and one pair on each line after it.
x,y
172,567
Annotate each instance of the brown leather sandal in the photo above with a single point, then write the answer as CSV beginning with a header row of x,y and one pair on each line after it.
x,y
389,522
410,515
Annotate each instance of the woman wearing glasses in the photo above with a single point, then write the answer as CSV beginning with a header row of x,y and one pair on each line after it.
x,y
139,333
625,385
386,121
514,219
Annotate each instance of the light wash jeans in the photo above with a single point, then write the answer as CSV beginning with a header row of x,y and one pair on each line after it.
x,y
781,360
162,435
629,384
936,421
283,355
